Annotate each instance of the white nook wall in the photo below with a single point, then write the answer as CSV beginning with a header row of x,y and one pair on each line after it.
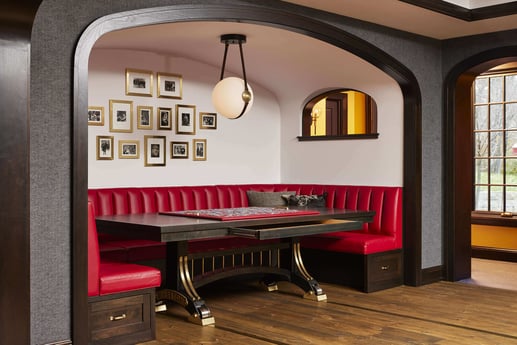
x,y
246,150
260,147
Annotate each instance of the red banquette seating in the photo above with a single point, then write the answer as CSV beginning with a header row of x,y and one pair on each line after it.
x,y
120,296
369,259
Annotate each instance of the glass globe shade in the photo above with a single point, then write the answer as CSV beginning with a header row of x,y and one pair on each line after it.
x,y
227,97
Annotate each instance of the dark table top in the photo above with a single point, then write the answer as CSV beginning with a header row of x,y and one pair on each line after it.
x,y
168,228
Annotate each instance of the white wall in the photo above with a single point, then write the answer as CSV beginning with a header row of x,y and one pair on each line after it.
x,y
357,162
260,147
246,150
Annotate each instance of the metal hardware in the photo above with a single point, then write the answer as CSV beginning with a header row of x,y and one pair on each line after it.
x,y
118,318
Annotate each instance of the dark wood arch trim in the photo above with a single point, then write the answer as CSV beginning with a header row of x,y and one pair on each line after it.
x,y
458,170
253,14
15,283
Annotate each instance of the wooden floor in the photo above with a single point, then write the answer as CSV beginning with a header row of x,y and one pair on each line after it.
x,y
439,313
498,274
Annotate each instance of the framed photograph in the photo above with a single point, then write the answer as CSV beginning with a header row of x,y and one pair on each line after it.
x,y
199,149
139,82
207,120
179,149
164,118
144,117
170,85
154,150
104,147
121,116
95,116
185,119
128,149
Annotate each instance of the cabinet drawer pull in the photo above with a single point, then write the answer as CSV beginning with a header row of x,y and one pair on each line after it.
x,y
385,268
117,318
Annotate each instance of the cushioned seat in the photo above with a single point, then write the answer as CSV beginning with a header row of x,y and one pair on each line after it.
x,y
117,277
112,277
355,242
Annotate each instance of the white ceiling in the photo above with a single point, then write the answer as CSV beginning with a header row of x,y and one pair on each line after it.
x,y
403,16
273,56
476,3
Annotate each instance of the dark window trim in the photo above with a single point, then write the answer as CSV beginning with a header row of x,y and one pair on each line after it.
x,y
339,137
370,118
493,73
493,218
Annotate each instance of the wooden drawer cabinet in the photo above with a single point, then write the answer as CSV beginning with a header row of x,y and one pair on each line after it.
x,y
383,270
122,318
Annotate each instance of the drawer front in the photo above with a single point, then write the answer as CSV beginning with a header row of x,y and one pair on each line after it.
x,y
119,316
385,267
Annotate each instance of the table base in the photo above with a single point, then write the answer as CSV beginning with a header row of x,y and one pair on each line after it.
x,y
276,261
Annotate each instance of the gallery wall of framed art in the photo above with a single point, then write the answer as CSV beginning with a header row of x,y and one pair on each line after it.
x,y
133,95
124,113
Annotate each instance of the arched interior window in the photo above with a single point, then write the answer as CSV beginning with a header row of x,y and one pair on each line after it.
x,y
340,114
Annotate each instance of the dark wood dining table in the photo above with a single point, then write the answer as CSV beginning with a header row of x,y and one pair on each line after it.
x,y
272,247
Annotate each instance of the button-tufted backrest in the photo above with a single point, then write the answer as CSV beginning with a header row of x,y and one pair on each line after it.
x,y
385,201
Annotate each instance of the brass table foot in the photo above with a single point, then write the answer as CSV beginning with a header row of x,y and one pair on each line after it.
x,y
314,297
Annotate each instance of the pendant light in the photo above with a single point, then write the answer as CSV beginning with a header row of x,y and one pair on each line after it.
x,y
232,97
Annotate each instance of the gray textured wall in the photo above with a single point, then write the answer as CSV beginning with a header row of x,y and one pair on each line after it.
x,y
459,49
58,26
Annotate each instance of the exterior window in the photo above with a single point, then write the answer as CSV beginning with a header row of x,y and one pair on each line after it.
x,y
495,143
339,114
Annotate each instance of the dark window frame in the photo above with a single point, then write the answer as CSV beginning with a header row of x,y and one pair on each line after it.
x,y
489,217
370,117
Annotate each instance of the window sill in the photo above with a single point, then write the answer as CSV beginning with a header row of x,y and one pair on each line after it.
x,y
338,137
494,219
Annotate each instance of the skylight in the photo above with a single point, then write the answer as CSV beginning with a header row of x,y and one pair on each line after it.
x,y
472,4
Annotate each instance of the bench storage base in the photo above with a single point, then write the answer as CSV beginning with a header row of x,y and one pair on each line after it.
x,y
368,273
122,318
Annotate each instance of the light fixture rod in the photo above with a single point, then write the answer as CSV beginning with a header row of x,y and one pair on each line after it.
x,y
224,60
234,39
237,39
243,67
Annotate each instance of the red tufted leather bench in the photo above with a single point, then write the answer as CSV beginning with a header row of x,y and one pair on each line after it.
x,y
369,259
120,296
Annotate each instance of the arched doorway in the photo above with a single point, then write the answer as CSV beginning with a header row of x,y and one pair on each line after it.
x,y
458,168
253,14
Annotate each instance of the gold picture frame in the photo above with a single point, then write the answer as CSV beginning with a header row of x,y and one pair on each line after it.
x,y
139,82
144,117
185,119
170,85
207,120
121,116
199,149
164,118
155,151
179,149
128,149
95,116
104,147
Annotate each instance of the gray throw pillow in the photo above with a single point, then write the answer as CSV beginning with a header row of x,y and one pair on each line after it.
x,y
268,199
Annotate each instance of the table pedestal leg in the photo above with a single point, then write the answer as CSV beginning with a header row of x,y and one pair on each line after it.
x,y
300,276
180,287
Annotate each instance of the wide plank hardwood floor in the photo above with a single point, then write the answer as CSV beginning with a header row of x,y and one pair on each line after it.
x,y
439,313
